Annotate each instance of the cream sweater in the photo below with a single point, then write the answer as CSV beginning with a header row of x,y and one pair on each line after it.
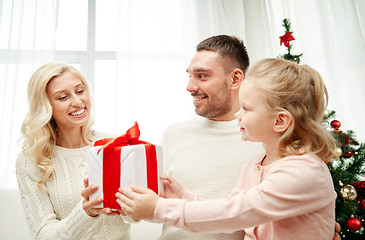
x,y
57,213
205,157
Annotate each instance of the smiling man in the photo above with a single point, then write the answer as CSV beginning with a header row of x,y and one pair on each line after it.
x,y
205,154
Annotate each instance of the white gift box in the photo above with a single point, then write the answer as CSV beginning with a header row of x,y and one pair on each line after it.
x,y
135,170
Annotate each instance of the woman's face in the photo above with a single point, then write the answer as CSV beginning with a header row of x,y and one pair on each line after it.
x,y
69,100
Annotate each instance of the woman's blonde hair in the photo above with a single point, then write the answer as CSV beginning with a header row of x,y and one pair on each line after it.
x,y
39,129
300,91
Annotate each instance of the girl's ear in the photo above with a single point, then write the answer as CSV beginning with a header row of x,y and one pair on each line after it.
x,y
283,121
236,78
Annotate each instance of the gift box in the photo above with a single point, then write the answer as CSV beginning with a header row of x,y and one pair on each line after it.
x,y
124,161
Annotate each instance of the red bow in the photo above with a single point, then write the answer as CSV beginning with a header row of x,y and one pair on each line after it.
x,y
286,38
129,138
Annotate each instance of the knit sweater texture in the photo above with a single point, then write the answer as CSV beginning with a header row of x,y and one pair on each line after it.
x,y
205,157
57,212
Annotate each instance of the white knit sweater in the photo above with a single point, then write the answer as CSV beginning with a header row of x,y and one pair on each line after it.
x,y
57,213
205,157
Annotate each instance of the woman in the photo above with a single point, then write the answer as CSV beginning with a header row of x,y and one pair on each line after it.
x,y
51,168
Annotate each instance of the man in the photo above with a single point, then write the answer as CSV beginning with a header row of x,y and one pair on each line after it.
x,y
205,154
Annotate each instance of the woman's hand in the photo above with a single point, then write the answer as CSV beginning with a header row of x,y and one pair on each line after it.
x,y
172,189
137,202
89,206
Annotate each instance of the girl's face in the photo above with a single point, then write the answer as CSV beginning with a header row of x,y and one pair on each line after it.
x,y
255,119
69,100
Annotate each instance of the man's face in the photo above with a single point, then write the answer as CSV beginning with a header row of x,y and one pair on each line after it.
x,y
209,85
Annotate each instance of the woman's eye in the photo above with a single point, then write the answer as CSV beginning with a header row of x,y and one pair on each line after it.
x,y
62,98
80,91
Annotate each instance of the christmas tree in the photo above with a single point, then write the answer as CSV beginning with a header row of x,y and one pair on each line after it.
x,y
348,178
347,170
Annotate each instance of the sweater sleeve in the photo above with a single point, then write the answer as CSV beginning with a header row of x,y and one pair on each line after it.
x,y
41,219
292,188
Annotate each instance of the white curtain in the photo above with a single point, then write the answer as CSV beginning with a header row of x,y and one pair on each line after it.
x,y
156,40
27,30
331,36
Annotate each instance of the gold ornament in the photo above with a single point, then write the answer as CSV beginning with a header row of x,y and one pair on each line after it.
x,y
348,192
338,152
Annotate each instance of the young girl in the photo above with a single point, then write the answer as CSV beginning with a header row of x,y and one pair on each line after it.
x,y
287,193
57,132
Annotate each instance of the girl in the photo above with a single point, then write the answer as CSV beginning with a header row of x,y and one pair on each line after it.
x,y
51,168
286,193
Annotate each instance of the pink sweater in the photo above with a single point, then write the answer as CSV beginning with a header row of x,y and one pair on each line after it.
x,y
292,198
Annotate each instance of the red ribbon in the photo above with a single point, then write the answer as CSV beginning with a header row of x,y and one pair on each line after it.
x,y
112,167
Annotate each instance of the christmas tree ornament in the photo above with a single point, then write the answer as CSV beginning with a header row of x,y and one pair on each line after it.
x,y
347,141
360,186
354,223
348,154
348,192
286,38
335,124
338,151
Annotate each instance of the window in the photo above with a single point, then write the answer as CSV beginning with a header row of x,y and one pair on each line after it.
x,y
133,53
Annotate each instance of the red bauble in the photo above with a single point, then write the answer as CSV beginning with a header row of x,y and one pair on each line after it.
x,y
348,155
347,140
354,223
335,124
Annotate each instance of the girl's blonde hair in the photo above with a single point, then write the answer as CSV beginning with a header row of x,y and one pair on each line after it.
x,y
300,91
39,129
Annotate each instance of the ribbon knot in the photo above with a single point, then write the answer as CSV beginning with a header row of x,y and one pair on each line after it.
x,y
129,138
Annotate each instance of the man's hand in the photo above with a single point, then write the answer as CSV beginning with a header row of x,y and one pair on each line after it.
x,y
89,206
137,202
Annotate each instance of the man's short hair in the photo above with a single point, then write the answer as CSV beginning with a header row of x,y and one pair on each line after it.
x,y
227,46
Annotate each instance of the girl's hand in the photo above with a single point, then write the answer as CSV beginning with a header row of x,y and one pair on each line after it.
x,y
172,189
137,202
89,206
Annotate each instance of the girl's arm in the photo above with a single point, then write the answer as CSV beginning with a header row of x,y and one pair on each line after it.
x,y
293,187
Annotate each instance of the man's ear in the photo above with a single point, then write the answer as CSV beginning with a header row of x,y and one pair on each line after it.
x,y
236,77
283,121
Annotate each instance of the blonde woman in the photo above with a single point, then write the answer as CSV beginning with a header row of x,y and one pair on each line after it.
x,y
52,168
